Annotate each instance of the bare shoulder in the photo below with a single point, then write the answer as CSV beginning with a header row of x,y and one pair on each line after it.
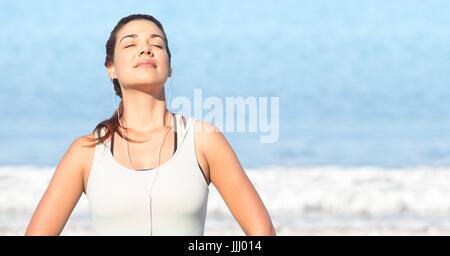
x,y
80,156
207,134
218,154
211,141
204,126
83,144
81,151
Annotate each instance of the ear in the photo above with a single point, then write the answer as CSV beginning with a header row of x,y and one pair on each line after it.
x,y
111,72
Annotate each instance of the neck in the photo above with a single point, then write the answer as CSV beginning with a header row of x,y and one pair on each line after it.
x,y
143,112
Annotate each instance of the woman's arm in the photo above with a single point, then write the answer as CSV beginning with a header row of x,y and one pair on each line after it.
x,y
63,192
228,176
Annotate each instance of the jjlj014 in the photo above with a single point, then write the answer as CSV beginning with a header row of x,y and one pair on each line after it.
x,y
238,246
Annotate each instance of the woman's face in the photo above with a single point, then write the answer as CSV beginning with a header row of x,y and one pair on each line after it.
x,y
140,58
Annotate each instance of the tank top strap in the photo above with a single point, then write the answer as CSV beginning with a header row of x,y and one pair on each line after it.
x,y
182,126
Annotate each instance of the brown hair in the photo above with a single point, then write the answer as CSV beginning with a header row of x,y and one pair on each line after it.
x,y
111,124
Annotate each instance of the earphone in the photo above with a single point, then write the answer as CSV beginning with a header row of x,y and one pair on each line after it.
x,y
156,169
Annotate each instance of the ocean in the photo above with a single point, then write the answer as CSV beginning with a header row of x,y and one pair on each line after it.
x,y
301,201
363,103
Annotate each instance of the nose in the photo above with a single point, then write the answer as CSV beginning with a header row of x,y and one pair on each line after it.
x,y
146,50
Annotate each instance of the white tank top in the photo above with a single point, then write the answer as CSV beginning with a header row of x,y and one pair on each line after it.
x,y
119,197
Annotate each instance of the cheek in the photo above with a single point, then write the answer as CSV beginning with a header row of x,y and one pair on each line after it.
x,y
164,60
122,62
121,57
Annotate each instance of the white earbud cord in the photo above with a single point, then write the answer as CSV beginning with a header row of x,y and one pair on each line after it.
x,y
161,143
156,170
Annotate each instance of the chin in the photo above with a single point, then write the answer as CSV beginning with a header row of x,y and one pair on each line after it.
x,y
147,79
148,83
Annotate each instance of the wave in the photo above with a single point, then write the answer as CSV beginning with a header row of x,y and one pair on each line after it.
x,y
298,198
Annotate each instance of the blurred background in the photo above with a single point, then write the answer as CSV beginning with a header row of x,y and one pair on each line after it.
x,y
364,135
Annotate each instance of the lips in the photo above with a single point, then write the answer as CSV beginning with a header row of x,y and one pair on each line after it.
x,y
146,64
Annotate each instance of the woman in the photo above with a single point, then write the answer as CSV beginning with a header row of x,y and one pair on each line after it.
x,y
141,170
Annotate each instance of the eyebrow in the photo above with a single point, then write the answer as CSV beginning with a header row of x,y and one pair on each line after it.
x,y
135,35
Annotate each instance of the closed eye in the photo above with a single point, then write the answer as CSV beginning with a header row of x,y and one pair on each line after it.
x,y
159,46
130,45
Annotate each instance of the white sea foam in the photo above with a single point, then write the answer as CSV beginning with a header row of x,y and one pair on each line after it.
x,y
301,201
